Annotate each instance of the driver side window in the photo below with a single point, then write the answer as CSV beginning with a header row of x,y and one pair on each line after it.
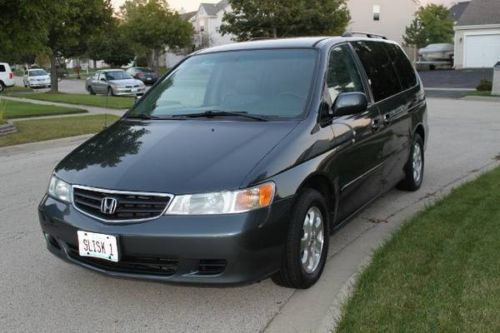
x,y
342,73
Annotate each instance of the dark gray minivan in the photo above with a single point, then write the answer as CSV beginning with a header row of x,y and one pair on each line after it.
x,y
240,162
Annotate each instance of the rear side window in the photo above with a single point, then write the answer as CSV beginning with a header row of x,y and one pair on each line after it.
x,y
342,75
379,68
403,66
2,68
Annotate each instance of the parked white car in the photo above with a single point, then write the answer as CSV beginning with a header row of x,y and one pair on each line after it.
x,y
36,78
6,76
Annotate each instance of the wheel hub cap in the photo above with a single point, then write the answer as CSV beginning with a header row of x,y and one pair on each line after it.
x,y
417,163
311,244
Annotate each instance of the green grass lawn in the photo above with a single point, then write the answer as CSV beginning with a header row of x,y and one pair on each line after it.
x,y
14,109
482,93
439,273
112,102
55,128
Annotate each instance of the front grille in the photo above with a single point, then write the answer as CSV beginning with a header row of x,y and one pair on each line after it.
x,y
130,205
131,265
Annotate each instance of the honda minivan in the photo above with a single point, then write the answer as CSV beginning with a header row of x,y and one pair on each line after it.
x,y
240,162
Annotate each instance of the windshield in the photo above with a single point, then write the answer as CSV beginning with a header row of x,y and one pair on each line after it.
x,y
269,83
37,72
118,75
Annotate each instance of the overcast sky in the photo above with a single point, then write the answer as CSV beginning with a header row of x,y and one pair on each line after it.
x,y
191,5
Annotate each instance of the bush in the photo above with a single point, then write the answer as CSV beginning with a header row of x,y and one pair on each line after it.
x,y
485,85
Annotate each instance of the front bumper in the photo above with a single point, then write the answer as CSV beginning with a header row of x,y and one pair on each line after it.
x,y
128,92
39,84
216,250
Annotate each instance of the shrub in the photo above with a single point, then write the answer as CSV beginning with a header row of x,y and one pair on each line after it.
x,y
485,85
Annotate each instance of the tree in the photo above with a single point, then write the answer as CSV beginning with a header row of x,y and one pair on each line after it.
x,y
70,26
152,27
285,18
111,45
432,24
24,28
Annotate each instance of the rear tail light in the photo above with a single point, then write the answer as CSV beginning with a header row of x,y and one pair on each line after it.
x,y
11,76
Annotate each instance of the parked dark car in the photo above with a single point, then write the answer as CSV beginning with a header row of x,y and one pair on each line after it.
x,y
241,162
146,75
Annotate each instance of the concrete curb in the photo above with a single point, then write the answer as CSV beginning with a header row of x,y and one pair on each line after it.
x,y
493,99
324,302
41,145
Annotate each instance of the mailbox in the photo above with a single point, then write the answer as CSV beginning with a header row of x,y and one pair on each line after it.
x,y
496,80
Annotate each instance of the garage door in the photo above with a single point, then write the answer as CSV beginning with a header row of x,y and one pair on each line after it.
x,y
482,50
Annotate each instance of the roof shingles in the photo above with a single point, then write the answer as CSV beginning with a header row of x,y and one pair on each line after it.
x,y
213,8
481,12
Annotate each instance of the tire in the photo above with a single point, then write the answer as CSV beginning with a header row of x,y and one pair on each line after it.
x,y
110,92
414,169
294,272
2,87
91,91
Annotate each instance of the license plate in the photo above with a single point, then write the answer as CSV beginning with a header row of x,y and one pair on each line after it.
x,y
134,89
97,246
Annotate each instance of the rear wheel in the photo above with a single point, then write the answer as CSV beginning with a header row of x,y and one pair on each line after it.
x,y
2,87
414,170
307,243
91,91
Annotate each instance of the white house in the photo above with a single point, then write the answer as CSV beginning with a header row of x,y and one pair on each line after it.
x,y
207,22
385,17
477,35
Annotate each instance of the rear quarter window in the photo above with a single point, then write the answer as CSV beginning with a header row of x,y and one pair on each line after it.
x,y
403,66
379,67
2,68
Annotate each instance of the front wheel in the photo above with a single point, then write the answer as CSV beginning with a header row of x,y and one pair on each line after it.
x,y
91,91
306,247
110,92
2,87
414,169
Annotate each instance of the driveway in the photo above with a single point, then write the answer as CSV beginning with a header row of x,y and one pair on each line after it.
x,y
41,293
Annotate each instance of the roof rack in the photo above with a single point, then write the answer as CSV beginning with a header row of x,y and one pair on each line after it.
x,y
358,33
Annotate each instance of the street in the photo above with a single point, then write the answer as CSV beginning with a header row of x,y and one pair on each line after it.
x,y
41,293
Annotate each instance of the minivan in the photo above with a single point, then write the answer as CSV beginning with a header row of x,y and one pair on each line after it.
x,y
240,163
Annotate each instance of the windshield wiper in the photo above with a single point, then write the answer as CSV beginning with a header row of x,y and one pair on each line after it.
x,y
216,113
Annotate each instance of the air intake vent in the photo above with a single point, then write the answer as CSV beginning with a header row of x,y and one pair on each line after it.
x,y
211,267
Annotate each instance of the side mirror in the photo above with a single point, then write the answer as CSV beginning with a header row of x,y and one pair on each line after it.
x,y
349,103
103,79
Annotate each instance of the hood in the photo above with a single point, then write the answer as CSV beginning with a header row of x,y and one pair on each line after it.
x,y
178,157
126,82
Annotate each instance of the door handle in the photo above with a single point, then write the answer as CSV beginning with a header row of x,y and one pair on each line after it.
x,y
376,124
387,119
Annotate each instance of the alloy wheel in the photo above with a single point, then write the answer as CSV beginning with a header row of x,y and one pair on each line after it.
x,y
417,163
312,242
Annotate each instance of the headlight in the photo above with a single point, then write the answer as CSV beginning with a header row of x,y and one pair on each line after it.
x,y
59,189
223,202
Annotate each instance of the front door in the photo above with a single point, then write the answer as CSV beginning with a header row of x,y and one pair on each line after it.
x,y
358,162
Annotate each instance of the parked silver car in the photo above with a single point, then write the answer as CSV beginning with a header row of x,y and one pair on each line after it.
x,y
114,82
437,52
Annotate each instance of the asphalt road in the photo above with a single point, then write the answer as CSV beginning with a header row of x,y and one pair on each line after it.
x,y
38,292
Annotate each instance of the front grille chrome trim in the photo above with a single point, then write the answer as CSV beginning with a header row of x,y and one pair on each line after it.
x,y
107,191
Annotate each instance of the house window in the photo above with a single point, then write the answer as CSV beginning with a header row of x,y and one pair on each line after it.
x,y
376,13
